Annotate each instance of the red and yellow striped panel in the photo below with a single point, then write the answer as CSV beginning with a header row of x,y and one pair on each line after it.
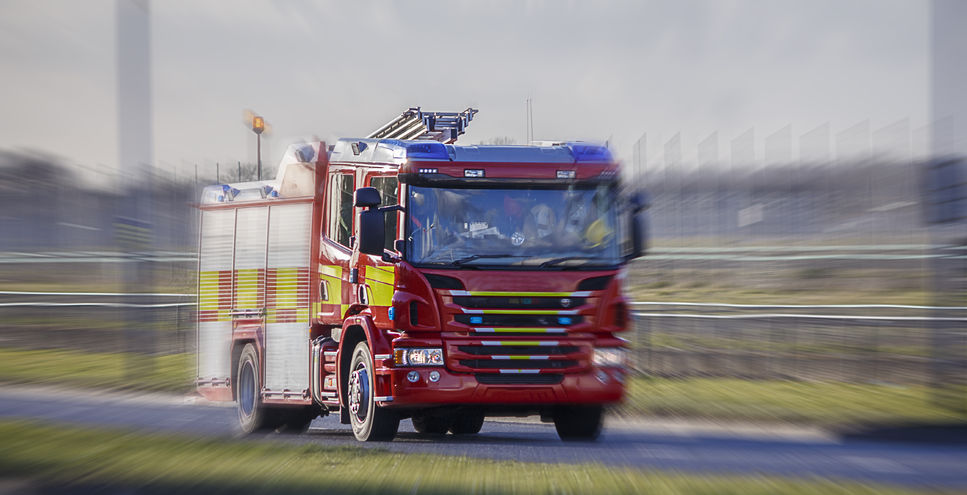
x,y
215,296
287,295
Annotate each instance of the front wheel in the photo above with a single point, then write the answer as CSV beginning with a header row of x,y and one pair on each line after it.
x,y
370,423
468,423
576,423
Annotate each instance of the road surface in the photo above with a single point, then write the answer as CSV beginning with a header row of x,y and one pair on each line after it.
x,y
684,447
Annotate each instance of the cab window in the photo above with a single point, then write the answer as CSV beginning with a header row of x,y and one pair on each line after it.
x,y
341,189
388,188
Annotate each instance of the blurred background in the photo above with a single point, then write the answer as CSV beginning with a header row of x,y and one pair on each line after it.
x,y
804,162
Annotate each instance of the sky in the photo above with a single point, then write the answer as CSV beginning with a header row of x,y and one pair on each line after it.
x,y
599,71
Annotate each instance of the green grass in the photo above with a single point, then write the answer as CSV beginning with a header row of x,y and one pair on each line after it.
x,y
822,403
60,455
97,370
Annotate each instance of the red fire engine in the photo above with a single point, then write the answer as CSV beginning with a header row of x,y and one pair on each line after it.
x,y
403,276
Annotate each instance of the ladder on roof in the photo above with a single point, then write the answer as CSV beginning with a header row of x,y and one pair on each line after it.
x,y
435,126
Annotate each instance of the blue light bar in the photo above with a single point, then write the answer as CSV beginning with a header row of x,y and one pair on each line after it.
x,y
421,150
584,152
427,151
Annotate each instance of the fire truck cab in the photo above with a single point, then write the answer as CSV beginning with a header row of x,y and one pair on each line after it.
x,y
383,279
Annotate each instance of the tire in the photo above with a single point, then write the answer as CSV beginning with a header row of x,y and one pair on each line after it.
x,y
370,423
469,423
578,423
431,425
253,415
298,420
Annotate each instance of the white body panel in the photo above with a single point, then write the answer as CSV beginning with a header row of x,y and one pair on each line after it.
x,y
214,289
287,347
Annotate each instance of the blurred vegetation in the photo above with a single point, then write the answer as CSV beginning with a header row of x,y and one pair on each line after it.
x,y
85,459
822,403
172,373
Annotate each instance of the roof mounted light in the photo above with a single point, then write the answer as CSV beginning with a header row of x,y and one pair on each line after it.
x,y
586,152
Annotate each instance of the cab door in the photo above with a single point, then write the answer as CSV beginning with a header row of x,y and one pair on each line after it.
x,y
377,278
335,246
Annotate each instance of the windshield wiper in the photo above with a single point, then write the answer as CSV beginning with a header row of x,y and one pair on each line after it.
x,y
565,258
470,258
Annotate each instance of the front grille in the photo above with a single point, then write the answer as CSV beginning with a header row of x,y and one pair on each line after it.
x,y
519,320
519,379
532,356
486,350
483,364
519,302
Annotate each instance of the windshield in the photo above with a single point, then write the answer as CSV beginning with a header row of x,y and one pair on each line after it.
x,y
524,227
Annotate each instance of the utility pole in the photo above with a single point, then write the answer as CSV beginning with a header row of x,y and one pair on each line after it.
x,y
258,125
133,224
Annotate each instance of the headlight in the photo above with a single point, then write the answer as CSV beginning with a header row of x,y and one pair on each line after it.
x,y
610,356
419,356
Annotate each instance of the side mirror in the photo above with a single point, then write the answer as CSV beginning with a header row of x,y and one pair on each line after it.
x,y
366,197
639,235
638,202
371,231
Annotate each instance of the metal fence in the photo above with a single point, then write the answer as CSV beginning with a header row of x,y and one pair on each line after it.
x,y
851,343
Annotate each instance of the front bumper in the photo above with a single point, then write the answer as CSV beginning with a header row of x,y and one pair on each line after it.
x,y
598,386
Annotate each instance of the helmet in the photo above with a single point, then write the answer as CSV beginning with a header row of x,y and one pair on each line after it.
x,y
597,232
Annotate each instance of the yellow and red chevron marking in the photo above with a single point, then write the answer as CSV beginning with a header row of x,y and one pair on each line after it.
x,y
287,295
248,288
215,296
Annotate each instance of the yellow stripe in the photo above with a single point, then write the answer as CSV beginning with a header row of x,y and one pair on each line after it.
x,y
331,270
247,289
382,294
287,288
386,275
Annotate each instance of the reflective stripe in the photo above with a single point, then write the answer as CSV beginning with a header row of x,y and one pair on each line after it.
x,y
522,358
520,330
387,274
519,311
581,293
331,270
512,372
549,343
387,398
383,356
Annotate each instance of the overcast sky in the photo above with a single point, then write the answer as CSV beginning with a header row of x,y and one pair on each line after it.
x,y
595,70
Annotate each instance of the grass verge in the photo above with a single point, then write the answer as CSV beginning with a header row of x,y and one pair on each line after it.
x,y
171,373
822,403
125,461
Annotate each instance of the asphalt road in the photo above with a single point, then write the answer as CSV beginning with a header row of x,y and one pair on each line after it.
x,y
676,446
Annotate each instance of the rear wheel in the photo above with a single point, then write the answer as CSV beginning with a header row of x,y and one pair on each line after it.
x,y
298,420
370,423
253,415
576,423
431,425
468,423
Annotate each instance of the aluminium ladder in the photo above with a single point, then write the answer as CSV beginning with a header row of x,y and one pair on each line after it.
x,y
435,126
